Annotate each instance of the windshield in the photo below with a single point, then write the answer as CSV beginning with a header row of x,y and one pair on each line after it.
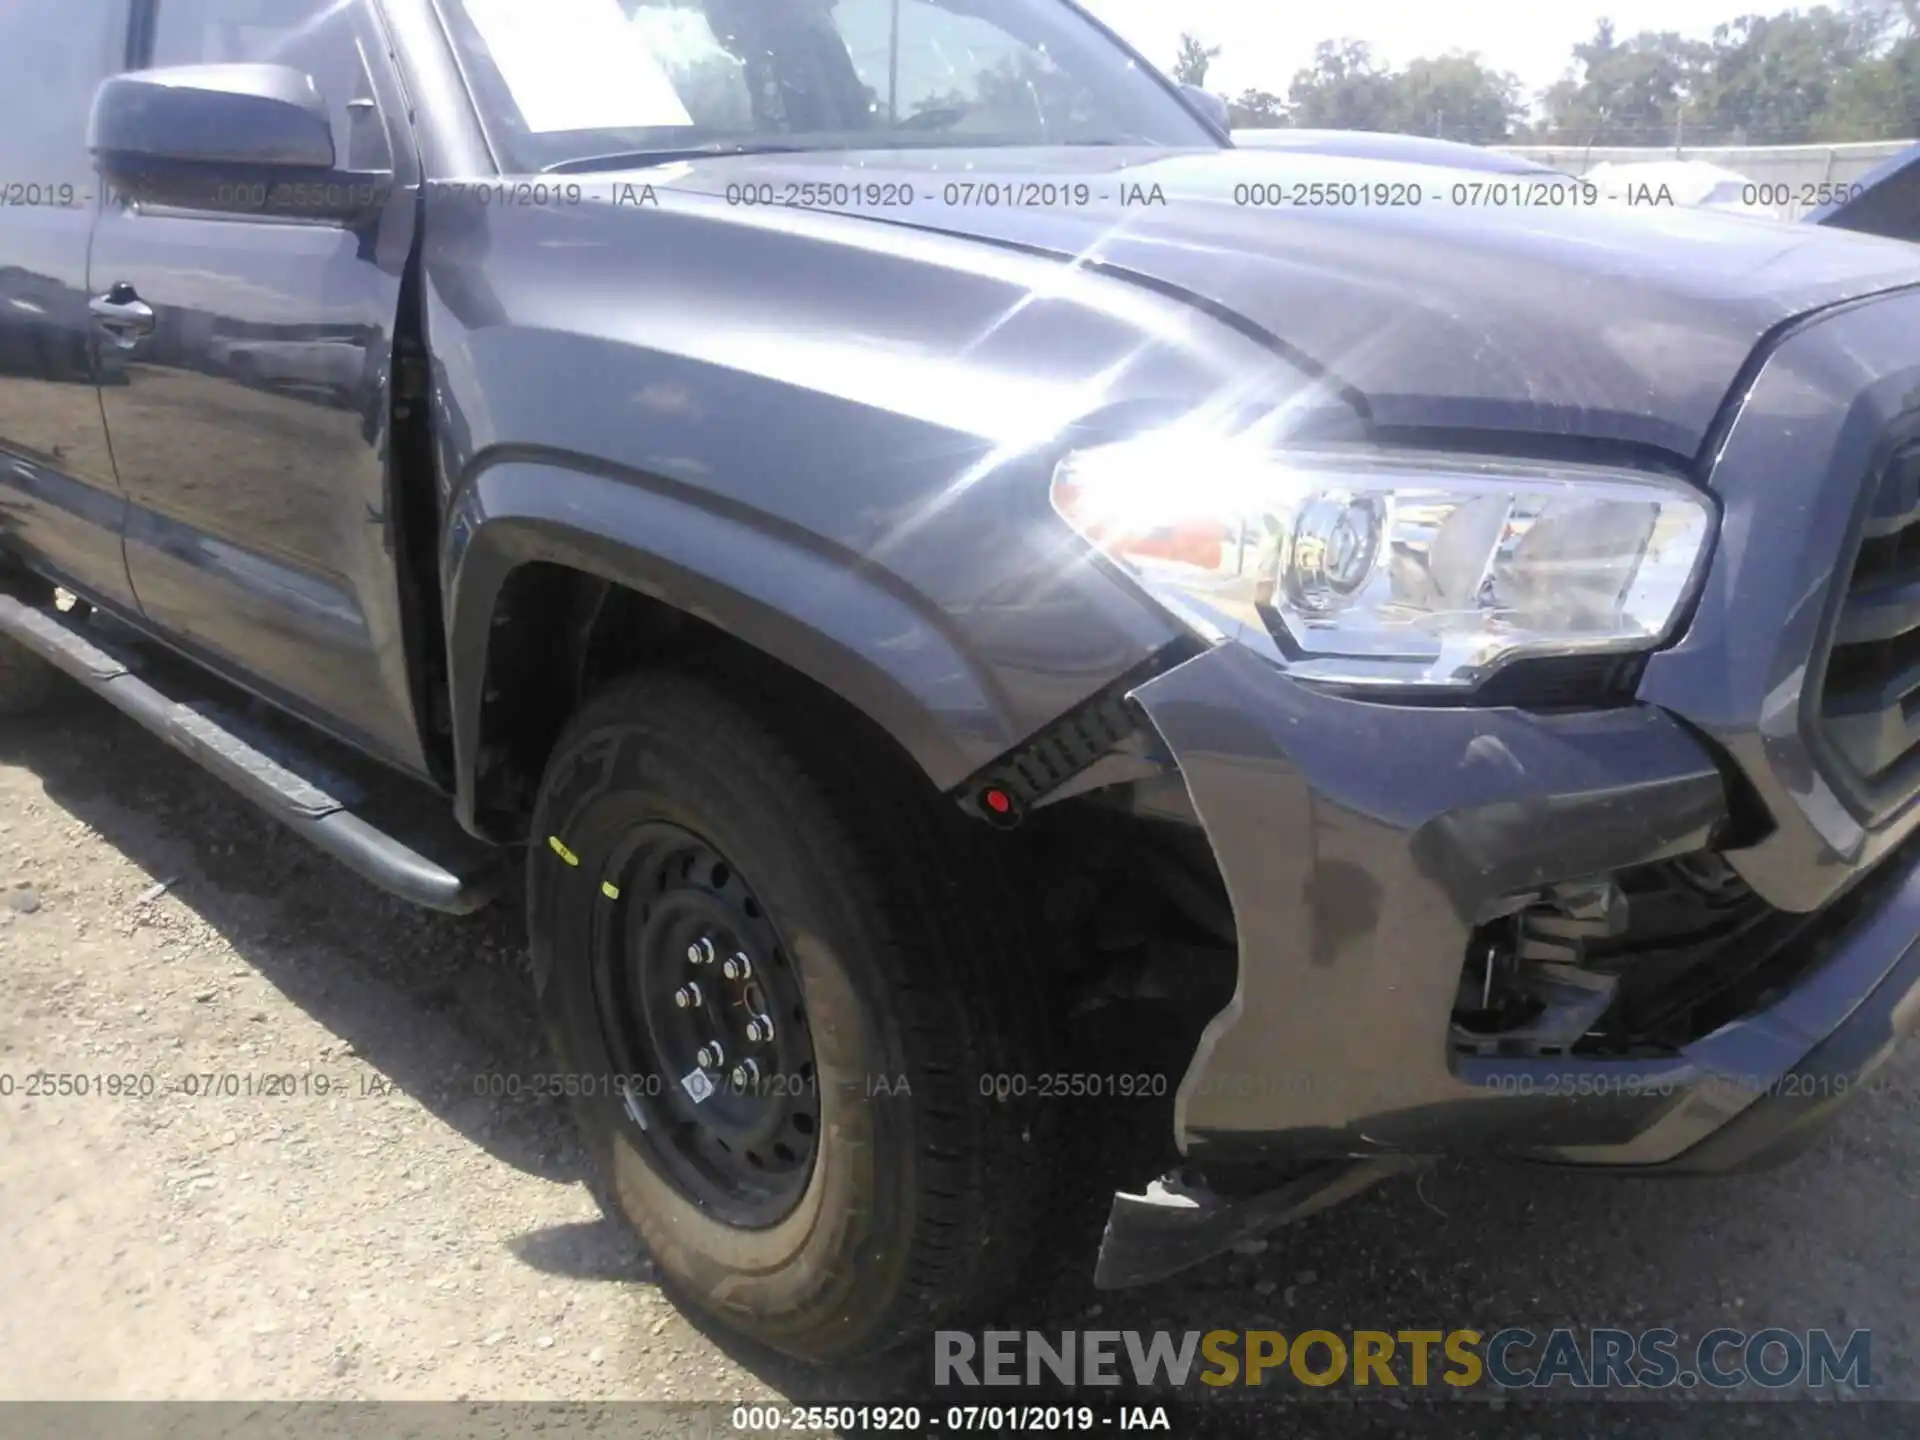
x,y
572,82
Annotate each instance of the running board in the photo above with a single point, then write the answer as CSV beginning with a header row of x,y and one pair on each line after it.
x,y
294,788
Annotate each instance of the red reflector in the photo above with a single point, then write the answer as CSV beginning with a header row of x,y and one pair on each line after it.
x,y
999,801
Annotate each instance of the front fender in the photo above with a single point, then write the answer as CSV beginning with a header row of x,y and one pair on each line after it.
x,y
831,437
850,627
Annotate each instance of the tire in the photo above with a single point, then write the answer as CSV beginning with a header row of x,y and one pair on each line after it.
x,y
27,682
886,915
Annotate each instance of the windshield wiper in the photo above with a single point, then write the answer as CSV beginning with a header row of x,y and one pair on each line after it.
x,y
640,159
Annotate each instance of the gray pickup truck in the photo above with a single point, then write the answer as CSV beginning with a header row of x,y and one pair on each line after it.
x,y
903,535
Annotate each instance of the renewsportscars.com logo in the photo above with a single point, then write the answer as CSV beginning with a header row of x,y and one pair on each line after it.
x,y
1514,1358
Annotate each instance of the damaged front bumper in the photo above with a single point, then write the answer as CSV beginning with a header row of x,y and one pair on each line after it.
x,y
1361,844
1366,847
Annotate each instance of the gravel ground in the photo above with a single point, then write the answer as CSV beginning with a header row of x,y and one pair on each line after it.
x,y
404,1237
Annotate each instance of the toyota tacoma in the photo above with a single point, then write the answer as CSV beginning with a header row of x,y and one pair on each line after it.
x,y
903,536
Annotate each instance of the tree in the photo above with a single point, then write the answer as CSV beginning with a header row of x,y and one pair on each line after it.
x,y
1632,92
1848,70
1879,98
1195,58
1894,19
1458,98
1257,110
1635,92
1772,78
1796,76
1344,89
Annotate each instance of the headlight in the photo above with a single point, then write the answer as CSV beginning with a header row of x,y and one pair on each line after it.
x,y
1392,569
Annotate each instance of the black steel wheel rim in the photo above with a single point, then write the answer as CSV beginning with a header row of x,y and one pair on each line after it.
x,y
705,1025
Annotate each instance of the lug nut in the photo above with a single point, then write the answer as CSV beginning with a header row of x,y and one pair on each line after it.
x,y
701,951
687,996
760,1029
738,967
711,1057
746,1075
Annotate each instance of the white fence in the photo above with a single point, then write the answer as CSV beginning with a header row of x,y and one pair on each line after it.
x,y
1793,165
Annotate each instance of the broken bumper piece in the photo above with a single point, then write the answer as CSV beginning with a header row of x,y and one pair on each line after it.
x,y
1364,846
1177,1222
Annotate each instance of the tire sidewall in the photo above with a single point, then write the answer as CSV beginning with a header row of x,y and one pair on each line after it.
x,y
814,1280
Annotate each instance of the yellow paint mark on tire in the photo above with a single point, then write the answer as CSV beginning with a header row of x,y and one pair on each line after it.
x,y
562,851
610,890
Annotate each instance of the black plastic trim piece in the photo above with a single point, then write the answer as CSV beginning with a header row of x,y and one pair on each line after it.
x,y
1175,1224
1047,761
1883,794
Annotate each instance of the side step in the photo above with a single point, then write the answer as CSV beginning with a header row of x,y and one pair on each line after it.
x,y
294,788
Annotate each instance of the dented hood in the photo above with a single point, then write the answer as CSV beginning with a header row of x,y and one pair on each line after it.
x,y
1440,298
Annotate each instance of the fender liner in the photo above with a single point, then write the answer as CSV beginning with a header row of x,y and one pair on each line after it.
x,y
851,627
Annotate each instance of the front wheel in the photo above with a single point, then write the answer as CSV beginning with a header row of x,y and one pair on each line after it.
x,y
782,981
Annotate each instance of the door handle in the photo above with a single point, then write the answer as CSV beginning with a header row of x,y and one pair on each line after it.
x,y
122,314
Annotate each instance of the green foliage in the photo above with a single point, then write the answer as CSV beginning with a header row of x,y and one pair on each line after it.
x,y
1803,75
1880,98
1257,110
1630,92
1798,76
1344,89
1190,68
1457,96
1776,75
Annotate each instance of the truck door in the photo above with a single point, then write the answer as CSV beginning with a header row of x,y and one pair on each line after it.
x,y
251,433
59,502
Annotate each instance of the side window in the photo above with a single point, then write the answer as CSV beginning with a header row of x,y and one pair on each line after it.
x,y
322,37
52,55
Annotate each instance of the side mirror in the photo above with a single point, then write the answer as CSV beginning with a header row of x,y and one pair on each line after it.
x,y
1884,201
240,139
1209,105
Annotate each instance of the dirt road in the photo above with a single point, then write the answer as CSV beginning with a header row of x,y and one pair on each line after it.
x,y
410,1234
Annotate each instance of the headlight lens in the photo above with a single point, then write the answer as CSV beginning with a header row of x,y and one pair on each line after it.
x,y
1392,569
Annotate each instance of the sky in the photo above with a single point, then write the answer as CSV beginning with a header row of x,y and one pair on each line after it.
x,y
1262,42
